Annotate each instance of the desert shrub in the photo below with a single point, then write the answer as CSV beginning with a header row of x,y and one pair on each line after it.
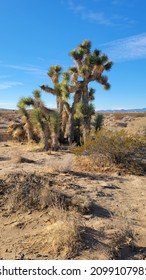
x,y
64,235
32,192
16,131
116,148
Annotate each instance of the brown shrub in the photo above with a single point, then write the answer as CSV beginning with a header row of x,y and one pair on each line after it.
x,y
115,149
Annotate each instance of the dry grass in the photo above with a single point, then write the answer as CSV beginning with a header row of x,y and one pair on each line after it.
x,y
125,239
53,198
87,164
64,234
137,126
29,192
82,204
32,192
20,159
114,150
59,165
121,115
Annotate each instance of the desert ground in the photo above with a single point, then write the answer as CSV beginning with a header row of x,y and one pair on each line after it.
x,y
53,207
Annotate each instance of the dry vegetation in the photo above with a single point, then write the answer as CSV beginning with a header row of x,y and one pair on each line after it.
x,y
87,205
121,115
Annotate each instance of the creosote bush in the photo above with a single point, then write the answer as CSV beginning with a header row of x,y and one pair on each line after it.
x,y
115,148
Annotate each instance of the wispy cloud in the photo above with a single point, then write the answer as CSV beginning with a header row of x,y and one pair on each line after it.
x,y
113,18
26,68
130,48
7,85
87,14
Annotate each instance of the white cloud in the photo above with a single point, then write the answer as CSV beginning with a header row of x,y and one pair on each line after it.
x,y
130,48
99,16
7,85
85,13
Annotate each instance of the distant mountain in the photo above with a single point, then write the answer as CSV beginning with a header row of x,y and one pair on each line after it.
x,y
100,111
122,110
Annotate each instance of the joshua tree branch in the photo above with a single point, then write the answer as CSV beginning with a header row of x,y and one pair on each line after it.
x,y
48,89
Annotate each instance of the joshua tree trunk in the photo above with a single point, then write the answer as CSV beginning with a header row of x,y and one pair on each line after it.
x,y
86,121
54,141
85,131
69,122
59,104
29,130
70,129
45,137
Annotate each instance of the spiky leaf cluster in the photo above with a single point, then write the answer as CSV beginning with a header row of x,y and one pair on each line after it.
x,y
91,92
54,73
36,93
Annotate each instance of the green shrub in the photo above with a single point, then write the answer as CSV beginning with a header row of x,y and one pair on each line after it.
x,y
115,148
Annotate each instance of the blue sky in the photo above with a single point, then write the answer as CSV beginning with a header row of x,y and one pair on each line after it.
x,y
36,34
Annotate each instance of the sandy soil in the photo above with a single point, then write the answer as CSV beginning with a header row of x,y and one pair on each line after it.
x,y
111,207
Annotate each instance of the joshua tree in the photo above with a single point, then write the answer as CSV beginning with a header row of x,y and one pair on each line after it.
x,y
44,121
22,106
89,67
49,121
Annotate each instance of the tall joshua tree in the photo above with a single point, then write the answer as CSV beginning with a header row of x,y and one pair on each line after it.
x,y
89,67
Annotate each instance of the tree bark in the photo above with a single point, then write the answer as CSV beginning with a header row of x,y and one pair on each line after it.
x,y
45,137
86,122
29,130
